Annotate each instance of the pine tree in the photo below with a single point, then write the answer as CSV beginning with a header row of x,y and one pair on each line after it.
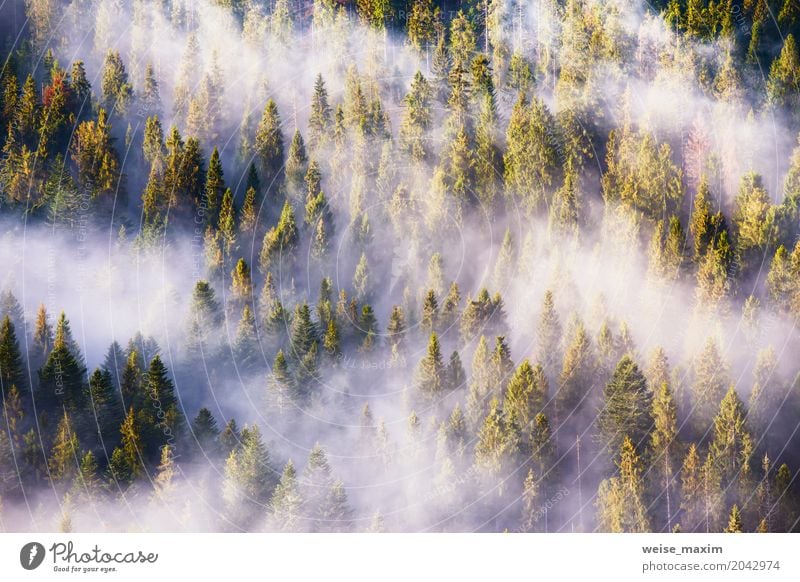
x,y
336,514
530,157
12,372
663,448
87,486
280,242
269,143
165,489
493,449
753,222
548,333
396,328
526,394
577,374
479,383
450,307
417,119
105,404
214,188
227,222
430,312
626,406
246,343
64,461
421,24
319,120
429,377
119,472
42,339
620,500
361,279
61,379
316,484
249,478
151,98
241,283
530,502
160,399
455,376
206,434
286,503
117,92
782,82
734,521
731,447
296,164
13,414
153,148
282,389
708,389
249,214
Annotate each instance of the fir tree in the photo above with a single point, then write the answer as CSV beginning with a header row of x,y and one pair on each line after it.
x,y
12,372
286,503
319,120
626,406
269,143
205,433
429,378
620,500
64,460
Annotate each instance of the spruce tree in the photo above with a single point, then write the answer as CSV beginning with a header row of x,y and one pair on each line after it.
x,y
12,372
620,500
286,504
64,454
319,120
626,406
429,377
269,143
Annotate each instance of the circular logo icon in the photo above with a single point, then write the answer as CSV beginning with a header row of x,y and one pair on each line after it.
x,y
31,555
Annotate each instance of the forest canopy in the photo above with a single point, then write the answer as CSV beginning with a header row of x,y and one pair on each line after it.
x,y
335,266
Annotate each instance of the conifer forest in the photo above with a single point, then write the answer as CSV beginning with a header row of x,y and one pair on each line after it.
x,y
399,266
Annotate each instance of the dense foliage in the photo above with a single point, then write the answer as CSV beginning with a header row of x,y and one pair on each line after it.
x,y
486,265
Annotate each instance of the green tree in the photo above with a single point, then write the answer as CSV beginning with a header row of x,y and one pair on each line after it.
x,y
708,388
319,121
548,333
117,92
626,406
286,504
280,242
64,461
663,449
732,446
12,371
783,76
269,143
734,521
420,24
429,377
417,118
296,163
620,500
530,158
249,477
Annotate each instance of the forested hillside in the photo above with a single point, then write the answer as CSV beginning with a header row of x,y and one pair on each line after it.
x,y
386,265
